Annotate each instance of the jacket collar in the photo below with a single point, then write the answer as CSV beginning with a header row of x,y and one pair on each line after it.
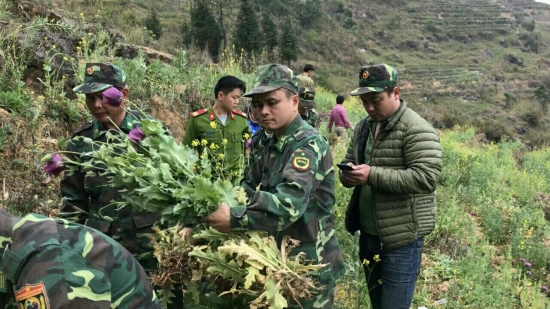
x,y
288,134
390,122
126,125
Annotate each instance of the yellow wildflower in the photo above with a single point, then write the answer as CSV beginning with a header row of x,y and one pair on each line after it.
x,y
246,136
204,142
380,281
54,47
212,146
212,124
376,258
221,155
366,262
224,141
195,143
41,97
81,14
65,59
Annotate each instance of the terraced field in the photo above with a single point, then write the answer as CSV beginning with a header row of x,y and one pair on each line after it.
x,y
470,22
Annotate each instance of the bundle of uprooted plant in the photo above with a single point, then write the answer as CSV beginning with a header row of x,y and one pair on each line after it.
x,y
158,174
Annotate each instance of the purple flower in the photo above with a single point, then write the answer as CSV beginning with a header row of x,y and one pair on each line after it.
x,y
472,213
54,165
112,96
522,260
544,288
249,143
136,135
528,273
527,264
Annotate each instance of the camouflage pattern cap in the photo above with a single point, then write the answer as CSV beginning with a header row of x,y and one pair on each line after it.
x,y
100,76
271,77
375,78
307,97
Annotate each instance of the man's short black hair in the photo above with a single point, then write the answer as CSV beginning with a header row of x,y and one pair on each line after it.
x,y
227,84
339,99
308,67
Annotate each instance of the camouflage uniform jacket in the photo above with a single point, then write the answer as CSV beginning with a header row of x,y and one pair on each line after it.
x,y
53,263
311,118
201,126
87,196
295,175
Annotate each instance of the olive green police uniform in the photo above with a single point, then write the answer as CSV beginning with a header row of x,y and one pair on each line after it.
x,y
201,127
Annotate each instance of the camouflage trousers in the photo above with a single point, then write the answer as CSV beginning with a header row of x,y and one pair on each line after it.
x,y
322,300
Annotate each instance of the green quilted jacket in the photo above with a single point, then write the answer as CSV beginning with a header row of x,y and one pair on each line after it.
x,y
405,168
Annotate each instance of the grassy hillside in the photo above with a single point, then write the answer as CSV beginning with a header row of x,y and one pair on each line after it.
x,y
466,62
493,203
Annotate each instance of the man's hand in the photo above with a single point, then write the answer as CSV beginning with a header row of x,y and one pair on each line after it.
x,y
186,235
356,177
220,219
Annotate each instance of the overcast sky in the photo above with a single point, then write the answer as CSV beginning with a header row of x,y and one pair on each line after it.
x,y
543,1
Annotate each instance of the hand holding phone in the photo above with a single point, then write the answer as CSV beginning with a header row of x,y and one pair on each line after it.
x,y
344,167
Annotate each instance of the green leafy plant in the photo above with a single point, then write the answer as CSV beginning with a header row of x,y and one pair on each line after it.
x,y
158,174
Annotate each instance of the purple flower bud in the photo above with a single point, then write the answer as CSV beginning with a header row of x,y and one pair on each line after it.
x,y
54,165
528,273
112,97
522,260
472,213
527,264
136,135
544,288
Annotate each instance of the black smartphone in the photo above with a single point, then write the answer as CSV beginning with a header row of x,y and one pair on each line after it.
x,y
344,167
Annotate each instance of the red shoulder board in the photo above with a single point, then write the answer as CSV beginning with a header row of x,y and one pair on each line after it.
x,y
238,112
199,112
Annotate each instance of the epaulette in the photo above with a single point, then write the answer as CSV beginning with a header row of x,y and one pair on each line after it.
x,y
301,134
82,128
199,112
238,112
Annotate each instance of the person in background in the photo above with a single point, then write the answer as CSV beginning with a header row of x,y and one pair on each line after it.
x,y
304,79
222,125
306,109
339,118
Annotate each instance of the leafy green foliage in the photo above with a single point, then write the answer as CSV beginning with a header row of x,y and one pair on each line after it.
x,y
205,30
271,35
152,23
248,36
288,42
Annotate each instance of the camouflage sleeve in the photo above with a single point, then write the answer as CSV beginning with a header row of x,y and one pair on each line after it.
x,y
88,271
190,132
299,177
74,203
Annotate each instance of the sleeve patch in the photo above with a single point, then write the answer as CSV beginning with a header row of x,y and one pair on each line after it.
x,y
301,160
32,296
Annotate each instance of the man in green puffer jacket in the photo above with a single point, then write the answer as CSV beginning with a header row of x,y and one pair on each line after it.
x,y
395,160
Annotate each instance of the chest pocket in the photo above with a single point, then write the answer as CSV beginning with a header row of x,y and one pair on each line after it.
x,y
92,182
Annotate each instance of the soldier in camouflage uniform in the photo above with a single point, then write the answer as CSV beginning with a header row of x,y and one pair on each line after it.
x,y
222,125
53,263
87,198
295,175
307,107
